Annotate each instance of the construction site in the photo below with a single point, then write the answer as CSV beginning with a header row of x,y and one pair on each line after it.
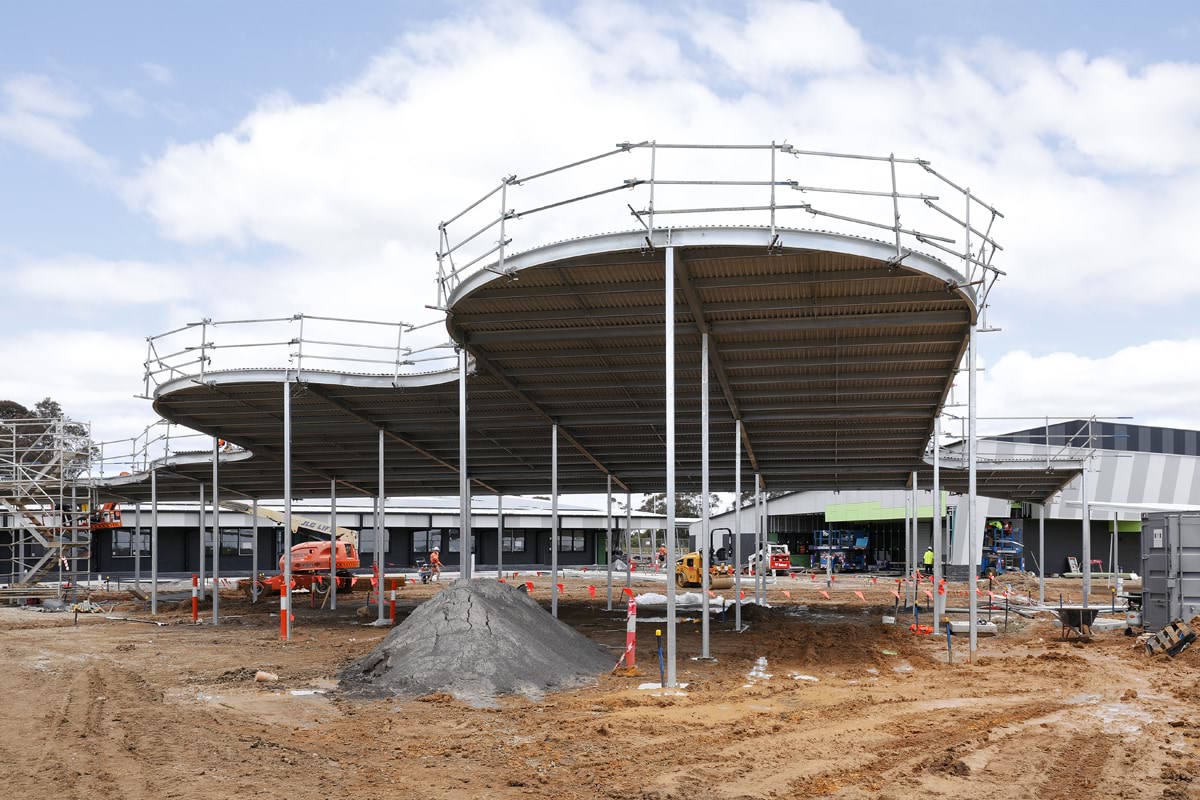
x,y
335,562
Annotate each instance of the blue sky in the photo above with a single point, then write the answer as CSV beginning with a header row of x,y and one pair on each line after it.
x,y
167,161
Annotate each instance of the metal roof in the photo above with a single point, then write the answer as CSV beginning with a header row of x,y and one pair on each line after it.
x,y
833,354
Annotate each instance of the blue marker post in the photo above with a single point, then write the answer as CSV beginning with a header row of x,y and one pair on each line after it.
x,y
662,678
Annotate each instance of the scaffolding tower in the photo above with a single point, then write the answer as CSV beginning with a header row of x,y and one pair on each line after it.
x,y
45,530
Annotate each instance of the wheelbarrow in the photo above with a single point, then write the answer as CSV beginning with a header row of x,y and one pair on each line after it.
x,y
1077,620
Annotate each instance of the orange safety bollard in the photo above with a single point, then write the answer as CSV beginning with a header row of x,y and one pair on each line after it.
x,y
284,593
630,633
195,598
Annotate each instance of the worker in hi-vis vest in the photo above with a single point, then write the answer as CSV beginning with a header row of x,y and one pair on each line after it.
x,y
928,560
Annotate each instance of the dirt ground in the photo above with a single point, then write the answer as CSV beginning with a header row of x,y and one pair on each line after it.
x,y
842,706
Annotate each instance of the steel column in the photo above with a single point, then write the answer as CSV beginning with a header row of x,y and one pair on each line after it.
x,y
758,553
705,510
737,527
137,545
333,544
154,541
669,373
608,521
939,599
628,540
500,537
1042,552
254,587
916,538
464,483
760,575
1086,549
1116,554
380,522
216,531
972,527
766,542
554,519
286,592
907,546
201,525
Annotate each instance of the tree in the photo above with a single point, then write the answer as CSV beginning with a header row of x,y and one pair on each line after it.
x,y
687,504
11,409
77,441
47,408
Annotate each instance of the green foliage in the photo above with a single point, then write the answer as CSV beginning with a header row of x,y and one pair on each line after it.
x,y
76,441
11,409
47,408
687,504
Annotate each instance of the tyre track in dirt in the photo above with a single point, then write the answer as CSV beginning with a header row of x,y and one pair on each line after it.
x,y
1076,768
913,738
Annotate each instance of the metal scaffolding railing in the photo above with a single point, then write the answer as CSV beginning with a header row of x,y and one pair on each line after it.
x,y
734,184
45,531
159,441
300,342
1074,447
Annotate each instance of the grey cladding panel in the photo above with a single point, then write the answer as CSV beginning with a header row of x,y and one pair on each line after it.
x,y
1170,477
1171,567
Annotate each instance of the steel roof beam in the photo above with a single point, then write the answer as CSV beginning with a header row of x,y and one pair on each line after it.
x,y
696,309
271,454
638,383
466,319
395,437
521,292
230,396
730,348
828,322
585,419
850,397
777,363
484,363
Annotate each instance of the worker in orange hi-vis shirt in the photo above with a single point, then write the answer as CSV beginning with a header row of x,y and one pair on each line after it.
x,y
435,562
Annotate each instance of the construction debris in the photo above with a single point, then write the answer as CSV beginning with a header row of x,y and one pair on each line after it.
x,y
1172,640
476,640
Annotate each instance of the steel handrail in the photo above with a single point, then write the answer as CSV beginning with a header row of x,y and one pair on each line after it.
x,y
945,228
197,357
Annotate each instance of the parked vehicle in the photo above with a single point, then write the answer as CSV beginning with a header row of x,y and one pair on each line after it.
x,y
778,555
689,571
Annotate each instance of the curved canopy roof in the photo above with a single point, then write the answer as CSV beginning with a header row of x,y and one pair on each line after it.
x,y
832,354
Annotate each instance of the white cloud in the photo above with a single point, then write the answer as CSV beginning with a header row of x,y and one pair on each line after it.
x,y
39,94
777,38
91,371
38,114
1090,158
108,283
126,101
158,73
1153,381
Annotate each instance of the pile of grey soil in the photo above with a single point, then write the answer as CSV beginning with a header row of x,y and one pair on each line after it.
x,y
475,640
